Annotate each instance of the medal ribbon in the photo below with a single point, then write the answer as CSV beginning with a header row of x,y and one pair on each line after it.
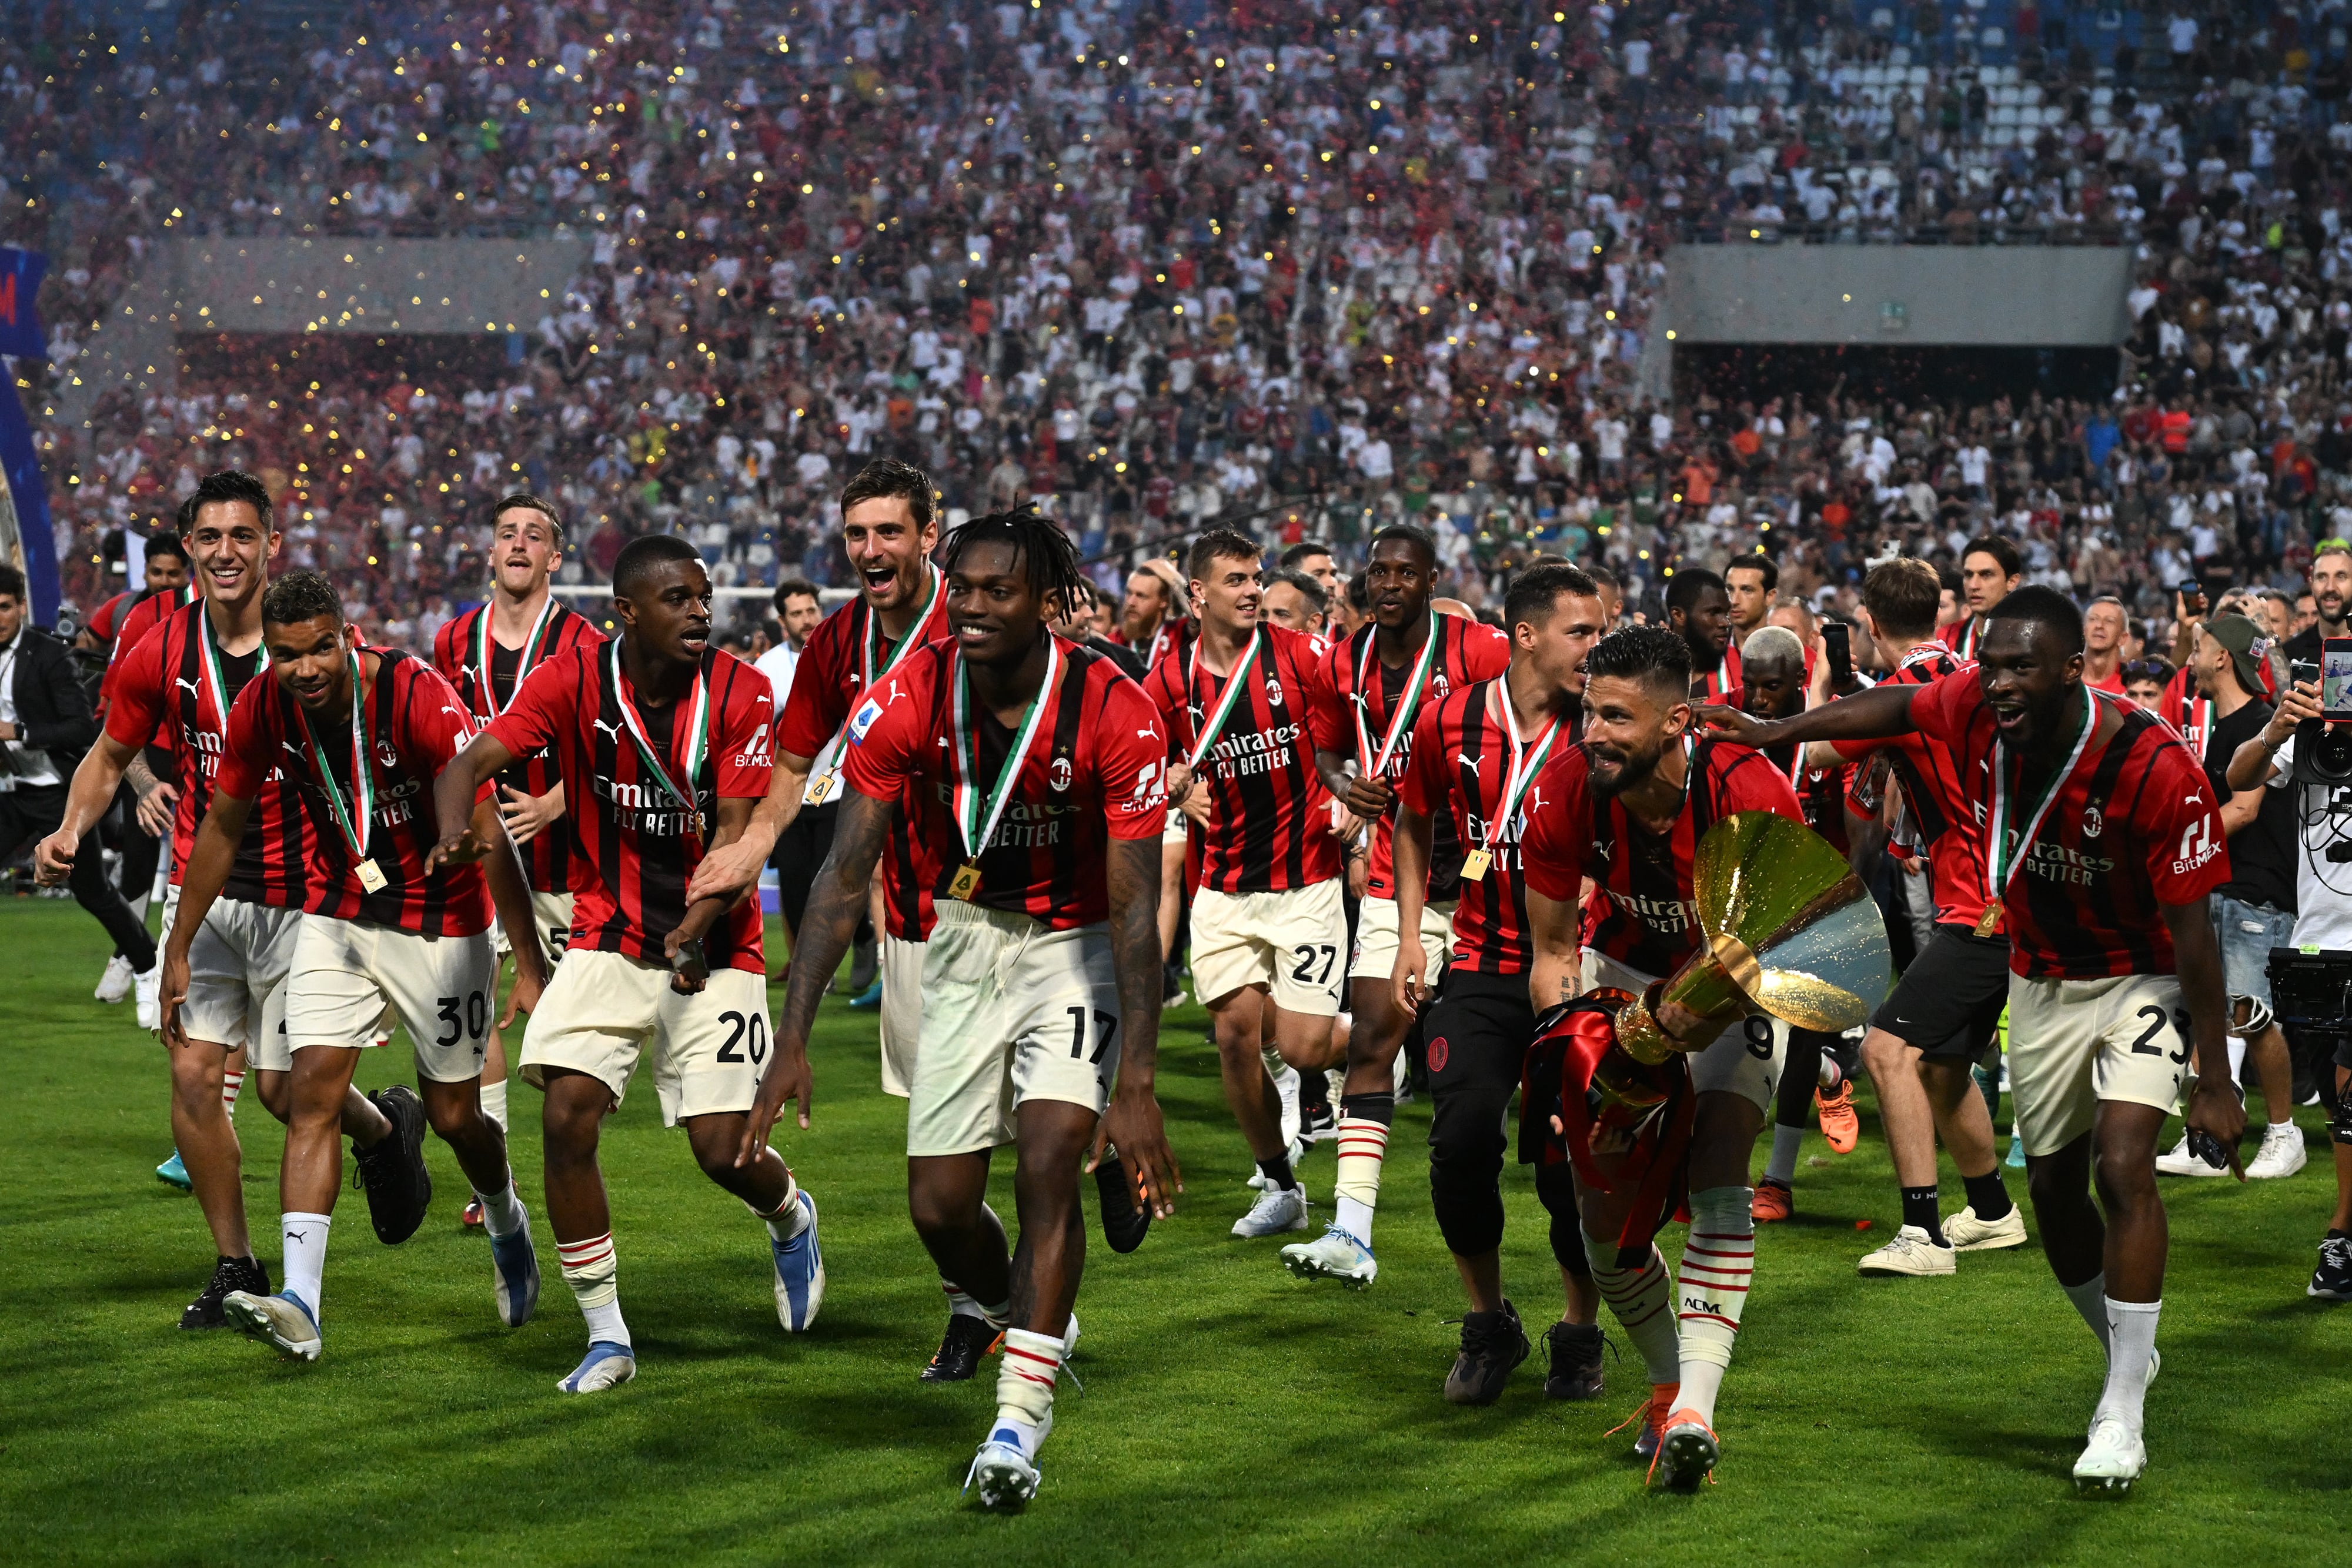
x,y
697,733
2004,805
872,643
1408,701
1525,763
1233,687
977,829
488,706
210,646
356,825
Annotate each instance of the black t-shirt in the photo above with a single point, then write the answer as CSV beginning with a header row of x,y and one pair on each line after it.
x,y
2262,854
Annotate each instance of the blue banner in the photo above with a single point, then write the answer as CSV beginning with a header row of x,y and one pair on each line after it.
x,y
28,498
20,287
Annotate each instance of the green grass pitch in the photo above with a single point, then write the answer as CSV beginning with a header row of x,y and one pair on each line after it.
x,y
1230,1413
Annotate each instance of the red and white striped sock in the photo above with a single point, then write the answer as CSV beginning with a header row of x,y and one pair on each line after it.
x,y
231,1084
1363,1144
961,1303
591,1271
1024,1386
1641,1302
1719,1263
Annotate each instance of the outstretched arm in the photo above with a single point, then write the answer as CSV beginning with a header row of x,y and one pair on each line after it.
x,y
1132,1124
836,901
731,870
1878,714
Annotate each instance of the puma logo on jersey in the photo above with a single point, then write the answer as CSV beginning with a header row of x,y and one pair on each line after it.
x,y
189,684
612,729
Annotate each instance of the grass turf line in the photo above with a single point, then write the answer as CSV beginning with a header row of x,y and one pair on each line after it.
x,y
1230,1413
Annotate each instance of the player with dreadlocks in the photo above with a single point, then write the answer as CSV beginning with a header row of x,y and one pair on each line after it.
x,y
1033,771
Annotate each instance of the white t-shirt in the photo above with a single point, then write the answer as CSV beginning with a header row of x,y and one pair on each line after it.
x,y
2323,890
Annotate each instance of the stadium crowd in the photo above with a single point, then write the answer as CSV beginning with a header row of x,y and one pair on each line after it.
x,y
1158,263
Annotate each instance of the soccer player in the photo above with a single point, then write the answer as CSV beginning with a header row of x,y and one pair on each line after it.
x,y
1699,610
889,529
487,653
1246,706
1945,1012
660,742
363,731
1991,568
1403,657
181,684
1038,772
1627,810
1749,583
1476,757
2103,840
1312,557
1772,684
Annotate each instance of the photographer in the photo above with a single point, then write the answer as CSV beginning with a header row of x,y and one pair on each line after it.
x,y
2253,911
2323,891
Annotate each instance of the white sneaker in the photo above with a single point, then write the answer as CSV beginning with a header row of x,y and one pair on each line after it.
x,y
2181,1162
149,988
1909,1253
1070,1338
1967,1233
2113,1460
2280,1153
1276,1212
1007,1478
1334,1255
281,1322
115,983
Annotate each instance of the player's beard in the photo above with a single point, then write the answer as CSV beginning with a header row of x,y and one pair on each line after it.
x,y
1630,769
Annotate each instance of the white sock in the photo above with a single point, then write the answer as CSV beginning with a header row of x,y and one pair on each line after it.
x,y
1024,1386
2090,1299
592,1273
231,1084
789,1218
1641,1300
2131,1353
306,1257
962,1304
494,1102
1362,1144
502,1213
1782,1167
1286,1094
1831,1075
1718,1266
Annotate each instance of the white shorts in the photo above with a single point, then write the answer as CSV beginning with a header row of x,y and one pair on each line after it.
x,y
237,977
346,974
551,913
1376,940
1288,942
2073,1043
1745,1058
601,1008
1011,1011
902,1012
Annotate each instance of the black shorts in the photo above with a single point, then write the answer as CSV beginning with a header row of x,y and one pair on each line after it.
x,y
800,852
1948,1005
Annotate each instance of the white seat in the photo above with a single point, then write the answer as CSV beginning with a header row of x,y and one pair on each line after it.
x,y
2102,96
2101,119
1749,114
1898,57
1883,19
1918,76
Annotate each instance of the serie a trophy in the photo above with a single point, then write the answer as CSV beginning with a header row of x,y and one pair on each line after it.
x,y
1791,932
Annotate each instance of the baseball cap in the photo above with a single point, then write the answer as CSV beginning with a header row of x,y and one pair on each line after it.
x,y
2248,647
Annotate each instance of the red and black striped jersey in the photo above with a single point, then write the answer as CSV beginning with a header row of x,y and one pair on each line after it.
x,y
826,683
161,696
1718,681
1822,792
2135,826
139,617
1096,769
1461,763
106,619
634,844
1468,652
1269,815
2189,713
1651,922
413,725
1945,810
457,655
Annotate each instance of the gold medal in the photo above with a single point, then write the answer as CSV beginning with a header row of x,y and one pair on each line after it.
x,y
1475,865
821,789
371,877
966,881
1988,923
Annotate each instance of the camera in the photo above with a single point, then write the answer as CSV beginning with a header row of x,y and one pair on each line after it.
x,y
2311,989
2323,756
